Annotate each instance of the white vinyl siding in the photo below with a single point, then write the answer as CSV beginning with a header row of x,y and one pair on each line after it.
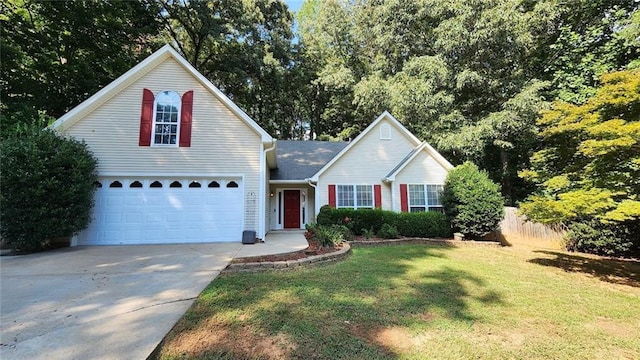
x,y
221,143
423,169
368,162
424,197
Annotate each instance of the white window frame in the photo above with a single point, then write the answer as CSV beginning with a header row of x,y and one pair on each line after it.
x,y
385,132
155,114
428,205
354,191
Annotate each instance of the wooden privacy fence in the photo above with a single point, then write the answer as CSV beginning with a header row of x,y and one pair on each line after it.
x,y
517,230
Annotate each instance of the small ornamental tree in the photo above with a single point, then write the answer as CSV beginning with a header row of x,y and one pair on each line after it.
x,y
588,169
471,201
46,188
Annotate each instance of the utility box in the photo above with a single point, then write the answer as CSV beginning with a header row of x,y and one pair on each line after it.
x,y
248,237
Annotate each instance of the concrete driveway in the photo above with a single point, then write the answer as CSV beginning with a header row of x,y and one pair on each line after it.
x,y
101,302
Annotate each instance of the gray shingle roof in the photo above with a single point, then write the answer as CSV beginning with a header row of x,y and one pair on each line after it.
x,y
299,160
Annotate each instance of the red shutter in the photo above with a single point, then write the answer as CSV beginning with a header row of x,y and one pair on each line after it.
x,y
332,196
146,118
377,196
185,119
404,198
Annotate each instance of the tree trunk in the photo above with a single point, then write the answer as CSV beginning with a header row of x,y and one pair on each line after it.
x,y
506,179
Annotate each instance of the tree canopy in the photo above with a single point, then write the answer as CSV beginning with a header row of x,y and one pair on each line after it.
x,y
589,164
55,54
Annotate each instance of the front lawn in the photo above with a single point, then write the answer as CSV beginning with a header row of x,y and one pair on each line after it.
x,y
421,302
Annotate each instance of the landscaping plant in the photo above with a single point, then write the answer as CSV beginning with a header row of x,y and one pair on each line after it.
x,y
46,189
471,201
588,168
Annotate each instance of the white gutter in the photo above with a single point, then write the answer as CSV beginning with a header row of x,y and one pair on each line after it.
x,y
284,182
263,191
315,198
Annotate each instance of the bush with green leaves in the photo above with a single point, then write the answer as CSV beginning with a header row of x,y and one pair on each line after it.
x,y
423,224
371,221
358,221
471,201
388,231
46,189
329,236
600,238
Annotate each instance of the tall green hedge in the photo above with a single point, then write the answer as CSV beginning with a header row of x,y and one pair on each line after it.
x,y
423,224
472,201
46,190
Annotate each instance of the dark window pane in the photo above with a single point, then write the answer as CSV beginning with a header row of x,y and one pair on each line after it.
x,y
97,184
135,184
156,184
195,184
175,184
115,184
232,184
214,184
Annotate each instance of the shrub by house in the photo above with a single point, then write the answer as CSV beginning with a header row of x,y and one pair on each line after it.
x,y
471,201
46,188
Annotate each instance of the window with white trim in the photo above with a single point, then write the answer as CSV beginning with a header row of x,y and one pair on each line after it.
x,y
425,197
166,118
354,196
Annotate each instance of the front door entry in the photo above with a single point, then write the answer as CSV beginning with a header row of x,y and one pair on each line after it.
x,y
292,209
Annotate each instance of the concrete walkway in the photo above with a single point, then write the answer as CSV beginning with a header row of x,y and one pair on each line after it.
x,y
109,302
276,242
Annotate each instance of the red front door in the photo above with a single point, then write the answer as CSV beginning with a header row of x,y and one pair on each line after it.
x,y
292,209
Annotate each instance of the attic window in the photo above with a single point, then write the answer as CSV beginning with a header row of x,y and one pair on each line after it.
x,y
166,119
385,132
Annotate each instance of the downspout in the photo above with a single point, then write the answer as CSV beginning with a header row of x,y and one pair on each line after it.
x,y
263,191
315,198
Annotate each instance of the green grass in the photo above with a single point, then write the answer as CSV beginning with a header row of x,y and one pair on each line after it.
x,y
421,302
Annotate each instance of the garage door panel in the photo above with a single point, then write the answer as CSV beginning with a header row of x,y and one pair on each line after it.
x,y
165,215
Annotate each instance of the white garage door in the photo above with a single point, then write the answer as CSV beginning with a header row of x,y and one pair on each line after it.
x,y
165,211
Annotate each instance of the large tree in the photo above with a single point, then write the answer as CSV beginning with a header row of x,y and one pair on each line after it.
x,y
245,48
588,167
468,76
55,54
455,72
